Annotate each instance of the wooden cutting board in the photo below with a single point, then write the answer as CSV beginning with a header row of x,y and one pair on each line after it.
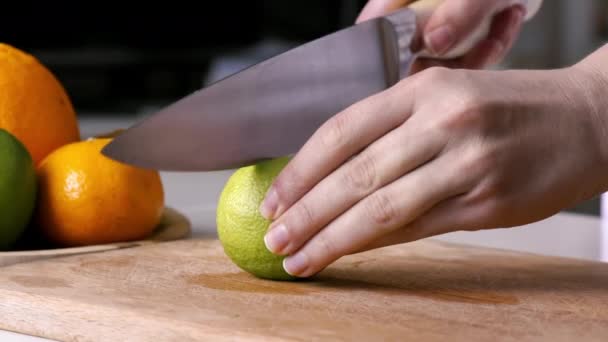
x,y
424,291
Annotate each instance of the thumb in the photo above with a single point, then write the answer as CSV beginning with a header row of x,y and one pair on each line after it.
x,y
453,21
377,8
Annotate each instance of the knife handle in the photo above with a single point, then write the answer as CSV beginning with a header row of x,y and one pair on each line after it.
x,y
424,9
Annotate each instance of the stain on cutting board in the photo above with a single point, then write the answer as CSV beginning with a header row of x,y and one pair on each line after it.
x,y
421,290
243,282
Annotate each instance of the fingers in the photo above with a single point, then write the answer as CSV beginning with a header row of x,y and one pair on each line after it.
x,y
453,21
504,31
502,36
377,8
379,214
448,216
396,154
333,143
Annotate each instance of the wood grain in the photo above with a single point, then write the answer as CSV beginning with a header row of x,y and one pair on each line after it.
x,y
424,291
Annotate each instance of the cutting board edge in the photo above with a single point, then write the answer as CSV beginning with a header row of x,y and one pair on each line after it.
x,y
147,327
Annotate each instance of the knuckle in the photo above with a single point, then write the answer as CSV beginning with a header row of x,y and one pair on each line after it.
x,y
491,198
288,185
334,134
429,78
327,249
436,74
470,102
303,215
463,102
497,191
479,161
488,162
282,188
467,111
361,174
380,209
493,209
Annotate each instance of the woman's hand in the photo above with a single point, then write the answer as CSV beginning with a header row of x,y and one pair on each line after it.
x,y
453,22
443,150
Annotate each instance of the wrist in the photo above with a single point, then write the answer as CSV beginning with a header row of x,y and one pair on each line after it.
x,y
589,81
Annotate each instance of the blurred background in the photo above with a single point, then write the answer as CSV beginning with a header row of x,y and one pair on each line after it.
x,y
121,65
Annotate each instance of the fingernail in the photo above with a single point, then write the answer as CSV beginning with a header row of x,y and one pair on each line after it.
x,y
440,40
270,204
276,239
296,264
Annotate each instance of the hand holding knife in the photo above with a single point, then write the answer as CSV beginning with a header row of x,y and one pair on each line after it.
x,y
384,156
272,108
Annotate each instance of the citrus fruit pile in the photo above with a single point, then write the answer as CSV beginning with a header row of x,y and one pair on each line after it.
x,y
54,186
240,225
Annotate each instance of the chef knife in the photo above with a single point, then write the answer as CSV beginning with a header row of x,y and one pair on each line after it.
x,y
270,109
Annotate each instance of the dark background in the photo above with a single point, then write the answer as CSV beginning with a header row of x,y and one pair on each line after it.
x,y
115,56
122,59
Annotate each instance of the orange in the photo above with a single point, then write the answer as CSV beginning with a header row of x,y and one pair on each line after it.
x,y
86,198
34,106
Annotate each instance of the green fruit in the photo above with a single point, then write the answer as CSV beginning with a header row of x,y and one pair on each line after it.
x,y
18,186
241,227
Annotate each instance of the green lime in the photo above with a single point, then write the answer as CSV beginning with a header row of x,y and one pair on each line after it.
x,y
240,225
18,186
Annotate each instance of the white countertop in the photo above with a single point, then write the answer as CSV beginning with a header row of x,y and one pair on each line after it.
x,y
195,195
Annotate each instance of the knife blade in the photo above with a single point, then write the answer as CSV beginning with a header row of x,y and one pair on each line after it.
x,y
270,109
